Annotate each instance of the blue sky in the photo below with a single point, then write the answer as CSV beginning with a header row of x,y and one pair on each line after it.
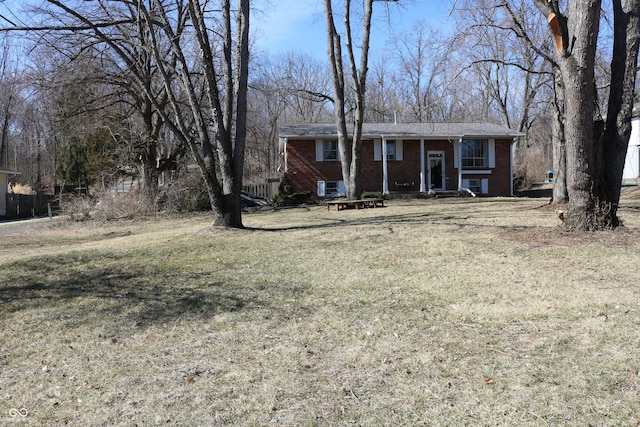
x,y
281,26
298,25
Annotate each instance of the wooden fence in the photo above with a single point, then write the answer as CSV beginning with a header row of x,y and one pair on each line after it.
x,y
266,190
25,206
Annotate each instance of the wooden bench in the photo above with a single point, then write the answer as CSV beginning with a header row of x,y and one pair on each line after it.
x,y
358,204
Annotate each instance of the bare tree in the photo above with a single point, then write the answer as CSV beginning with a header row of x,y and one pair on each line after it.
x,y
595,149
206,90
9,93
423,57
350,151
285,88
507,53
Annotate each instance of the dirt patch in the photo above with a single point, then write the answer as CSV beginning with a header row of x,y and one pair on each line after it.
x,y
556,236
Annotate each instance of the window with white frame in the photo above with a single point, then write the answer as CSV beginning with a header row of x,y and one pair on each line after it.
x,y
391,149
394,149
329,150
331,188
477,185
475,153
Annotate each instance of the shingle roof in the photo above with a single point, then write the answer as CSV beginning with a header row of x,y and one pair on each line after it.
x,y
402,130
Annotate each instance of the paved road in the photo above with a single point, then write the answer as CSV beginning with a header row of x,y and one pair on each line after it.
x,y
9,228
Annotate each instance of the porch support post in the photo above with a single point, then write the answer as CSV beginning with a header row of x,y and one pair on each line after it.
x,y
423,184
511,147
385,175
460,164
286,159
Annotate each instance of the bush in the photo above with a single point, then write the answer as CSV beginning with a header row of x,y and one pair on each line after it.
x,y
113,205
371,195
77,207
106,205
287,197
187,193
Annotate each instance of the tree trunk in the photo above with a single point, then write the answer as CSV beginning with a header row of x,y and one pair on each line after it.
x,y
617,130
595,149
350,150
577,70
150,174
560,194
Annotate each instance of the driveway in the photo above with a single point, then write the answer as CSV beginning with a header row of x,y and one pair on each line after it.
x,y
19,226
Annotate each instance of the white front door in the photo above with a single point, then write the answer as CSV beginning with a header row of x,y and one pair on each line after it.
x,y
435,170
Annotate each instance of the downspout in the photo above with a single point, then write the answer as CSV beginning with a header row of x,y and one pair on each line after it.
x,y
423,185
385,175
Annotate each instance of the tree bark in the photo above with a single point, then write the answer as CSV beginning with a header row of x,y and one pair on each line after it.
x,y
615,139
560,193
350,149
595,149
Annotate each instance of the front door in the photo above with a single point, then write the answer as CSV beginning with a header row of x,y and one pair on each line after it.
x,y
435,170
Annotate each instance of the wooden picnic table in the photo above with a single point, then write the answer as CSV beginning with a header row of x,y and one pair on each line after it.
x,y
358,204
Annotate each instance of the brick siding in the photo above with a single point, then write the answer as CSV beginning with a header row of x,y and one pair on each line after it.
x,y
304,171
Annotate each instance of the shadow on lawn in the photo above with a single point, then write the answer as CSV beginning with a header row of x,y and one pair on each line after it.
x,y
458,214
138,295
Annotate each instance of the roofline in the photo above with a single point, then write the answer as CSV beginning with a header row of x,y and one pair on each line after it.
x,y
405,136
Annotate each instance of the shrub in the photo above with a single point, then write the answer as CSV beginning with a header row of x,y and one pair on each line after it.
x,y
77,207
287,197
187,193
371,195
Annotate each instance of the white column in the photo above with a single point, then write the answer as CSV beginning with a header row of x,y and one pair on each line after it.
x,y
286,159
460,164
423,184
511,165
385,175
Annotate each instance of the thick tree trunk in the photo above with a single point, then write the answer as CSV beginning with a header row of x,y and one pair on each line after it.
x,y
595,149
621,100
577,68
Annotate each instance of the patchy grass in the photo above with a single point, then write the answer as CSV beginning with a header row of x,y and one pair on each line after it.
x,y
433,312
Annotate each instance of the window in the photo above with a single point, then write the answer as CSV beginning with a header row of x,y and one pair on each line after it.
x,y
394,149
391,149
331,188
477,185
330,150
475,153
327,150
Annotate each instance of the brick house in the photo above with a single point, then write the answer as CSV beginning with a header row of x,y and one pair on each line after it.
x,y
403,157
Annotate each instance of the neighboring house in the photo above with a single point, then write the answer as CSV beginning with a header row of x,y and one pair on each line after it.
x,y
403,157
632,160
4,189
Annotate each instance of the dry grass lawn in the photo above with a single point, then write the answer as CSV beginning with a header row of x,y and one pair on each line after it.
x,y
475,312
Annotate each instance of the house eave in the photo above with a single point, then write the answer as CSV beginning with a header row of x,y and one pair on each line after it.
x,y
404,131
